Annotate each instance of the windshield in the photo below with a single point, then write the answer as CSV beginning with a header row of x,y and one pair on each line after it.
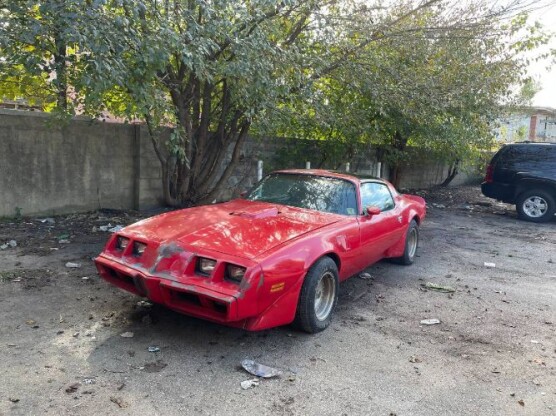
x,y
318,193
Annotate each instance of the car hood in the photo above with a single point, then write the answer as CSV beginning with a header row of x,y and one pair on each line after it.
x,y
240,227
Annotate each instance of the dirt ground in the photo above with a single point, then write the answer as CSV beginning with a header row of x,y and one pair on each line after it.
x,y
494,352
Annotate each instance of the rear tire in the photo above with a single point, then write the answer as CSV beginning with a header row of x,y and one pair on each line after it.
x,y
536,205
318,297
411,244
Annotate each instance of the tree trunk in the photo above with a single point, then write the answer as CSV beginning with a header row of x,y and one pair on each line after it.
x,y
399,143
61,81
395,175
452,173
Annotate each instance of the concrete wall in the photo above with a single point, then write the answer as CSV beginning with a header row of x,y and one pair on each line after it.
x,y
49,167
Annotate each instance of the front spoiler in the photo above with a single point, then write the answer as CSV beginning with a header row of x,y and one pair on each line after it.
x,y
182,296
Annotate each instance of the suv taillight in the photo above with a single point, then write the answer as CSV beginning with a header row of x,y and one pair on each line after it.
x,y
489,173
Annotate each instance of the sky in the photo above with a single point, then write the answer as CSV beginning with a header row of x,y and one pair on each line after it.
x,y
547,78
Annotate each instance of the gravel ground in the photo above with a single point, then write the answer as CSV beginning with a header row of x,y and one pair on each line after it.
x,y
493,353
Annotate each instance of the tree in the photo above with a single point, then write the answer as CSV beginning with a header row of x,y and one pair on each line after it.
x,y
37,44
214,69
209,68
438,90
225,65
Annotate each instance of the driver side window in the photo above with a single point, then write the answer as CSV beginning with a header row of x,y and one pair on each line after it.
x,y
377,195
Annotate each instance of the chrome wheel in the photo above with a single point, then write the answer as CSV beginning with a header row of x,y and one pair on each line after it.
x,y
412,239
535,206
325,293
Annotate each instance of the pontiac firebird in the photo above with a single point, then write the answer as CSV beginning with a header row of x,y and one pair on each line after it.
x,y
273,257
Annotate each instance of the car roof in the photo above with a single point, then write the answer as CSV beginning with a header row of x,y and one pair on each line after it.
x,y
354,177
526,143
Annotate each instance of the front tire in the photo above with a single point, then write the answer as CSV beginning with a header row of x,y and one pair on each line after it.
x,y
318,297
411,243
536,205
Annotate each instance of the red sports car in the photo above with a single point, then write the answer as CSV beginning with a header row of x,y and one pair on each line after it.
x,y
273,257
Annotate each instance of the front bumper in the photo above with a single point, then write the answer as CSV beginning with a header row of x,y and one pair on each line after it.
x,y
186,295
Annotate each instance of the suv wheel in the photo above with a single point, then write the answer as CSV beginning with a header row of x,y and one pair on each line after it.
x,y
536,205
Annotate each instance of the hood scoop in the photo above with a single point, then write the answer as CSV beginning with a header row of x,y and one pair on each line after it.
x,y
255,215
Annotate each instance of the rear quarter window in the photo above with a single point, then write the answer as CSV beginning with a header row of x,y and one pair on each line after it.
x,y
499,155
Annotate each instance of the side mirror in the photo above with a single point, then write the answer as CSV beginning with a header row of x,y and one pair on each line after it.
x,y
373,210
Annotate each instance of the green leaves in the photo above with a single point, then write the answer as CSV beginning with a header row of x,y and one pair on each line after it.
x,y
428,80
349,73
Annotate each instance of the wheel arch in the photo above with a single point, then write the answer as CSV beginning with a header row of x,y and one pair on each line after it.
x,y
333,256
532,184
307,310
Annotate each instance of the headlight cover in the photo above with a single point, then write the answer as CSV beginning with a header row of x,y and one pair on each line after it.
x,y
234,273
205,266
121,243
138,248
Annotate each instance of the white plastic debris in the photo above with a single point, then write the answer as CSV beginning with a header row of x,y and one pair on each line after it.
x,y
260,370
11,243
64,241
153,349
105,227
110,228
247,384
144,304
72,265
127,334
489,265
432,321
365,276
47,220
438,288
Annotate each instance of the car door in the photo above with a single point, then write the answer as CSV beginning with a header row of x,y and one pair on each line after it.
x,y
378,232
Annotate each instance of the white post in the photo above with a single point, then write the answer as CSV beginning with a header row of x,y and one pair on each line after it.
x,y
259,170
378,169
347,167
307,165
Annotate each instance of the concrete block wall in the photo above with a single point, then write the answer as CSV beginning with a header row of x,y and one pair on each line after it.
x,y
148,171
49,167
426,173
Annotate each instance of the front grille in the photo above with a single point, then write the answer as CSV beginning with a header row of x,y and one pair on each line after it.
x,y
197,303
118,278
186,297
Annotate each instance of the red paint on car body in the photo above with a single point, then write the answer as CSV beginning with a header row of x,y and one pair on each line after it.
x,y
276,244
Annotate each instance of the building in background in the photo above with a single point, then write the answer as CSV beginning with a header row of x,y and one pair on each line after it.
x,y
535,124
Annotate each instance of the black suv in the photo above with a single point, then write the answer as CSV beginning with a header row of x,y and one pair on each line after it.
x,y
524,174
